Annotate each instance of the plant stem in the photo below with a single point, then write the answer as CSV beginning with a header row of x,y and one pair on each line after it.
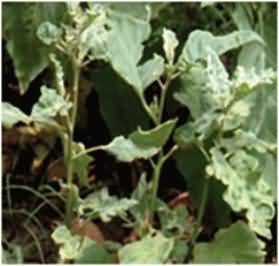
x,y
69,140
161,158
199,218
155,185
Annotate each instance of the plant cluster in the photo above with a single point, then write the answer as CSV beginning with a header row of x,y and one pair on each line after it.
x,y
226,149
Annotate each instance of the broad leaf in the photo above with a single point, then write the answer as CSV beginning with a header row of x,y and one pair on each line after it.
x,y
101,204
191,164
129,28
190,91
140,144
11,115
233,245
112,89
90,252
20,23
151,249
246,191
196,47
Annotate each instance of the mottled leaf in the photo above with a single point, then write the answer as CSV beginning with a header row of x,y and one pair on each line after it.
x,y
101,204
69,244
49,33
49,105
75,248
246,191
196,47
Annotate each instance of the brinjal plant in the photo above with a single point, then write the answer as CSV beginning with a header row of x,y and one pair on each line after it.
x,y
224,147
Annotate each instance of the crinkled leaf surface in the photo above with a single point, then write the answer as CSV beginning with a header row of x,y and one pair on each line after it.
x,y
246,191
49,33
20,23
236,244
151,249
196,47
170,43
49,106
69,244
140,144
101,204
93,39
11,115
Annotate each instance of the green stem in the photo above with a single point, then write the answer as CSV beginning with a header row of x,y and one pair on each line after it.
x,y
93,149
69,144
162,158
155,186
199,218
162,101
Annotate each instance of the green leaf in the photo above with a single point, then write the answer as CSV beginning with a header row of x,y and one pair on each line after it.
x,y
173,219
191,164
49,105
233,245
129,28
191,92
81,164
170,43
196,47
245,191
20,23
13,256
143,196
140,144
179,251
11,115
151,70
90,252
151,249
111,89
101,204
